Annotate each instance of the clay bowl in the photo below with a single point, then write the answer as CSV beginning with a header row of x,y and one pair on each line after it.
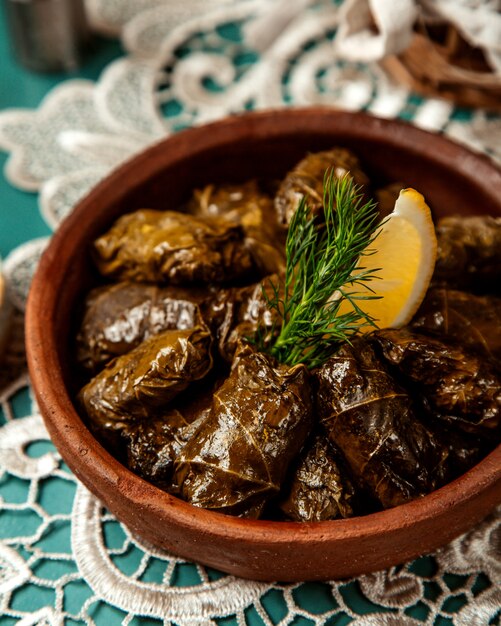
x,y
453,179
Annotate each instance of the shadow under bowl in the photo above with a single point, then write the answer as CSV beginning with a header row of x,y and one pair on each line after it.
x,y
453,179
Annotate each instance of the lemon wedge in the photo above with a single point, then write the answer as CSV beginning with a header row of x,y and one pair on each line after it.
x,y
405,250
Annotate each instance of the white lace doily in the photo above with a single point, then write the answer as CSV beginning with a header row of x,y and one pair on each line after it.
x,y
73,561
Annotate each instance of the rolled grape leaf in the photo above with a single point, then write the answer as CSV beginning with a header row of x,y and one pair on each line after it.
x,y
307,179
469,253
239,313
465,450
119,317
371,419
153,444
320,490
455,385
462,318
223,200
140,384
260,418
172,247
249,207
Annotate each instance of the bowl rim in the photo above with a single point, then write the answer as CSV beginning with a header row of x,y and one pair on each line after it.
x,y
75,440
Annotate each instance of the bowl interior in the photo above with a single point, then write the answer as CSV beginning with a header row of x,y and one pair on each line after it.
x,y
265,145
166,176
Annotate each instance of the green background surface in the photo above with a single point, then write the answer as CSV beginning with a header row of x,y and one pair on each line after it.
x,y
20,221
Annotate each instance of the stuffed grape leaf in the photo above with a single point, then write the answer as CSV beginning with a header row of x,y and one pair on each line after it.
x,y
119,317
221,200
321,490
462,318
465,449
252,209
455,385
469,253
238,313
142,382
172,247
307,179
153,444
370,418
259,421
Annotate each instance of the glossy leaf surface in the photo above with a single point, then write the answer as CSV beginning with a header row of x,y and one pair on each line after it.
x,y
252,209
238,313
370,417
307,179
153,444
142,382
260,418
462,318
469,253
321,489
455,385
119,317
172,247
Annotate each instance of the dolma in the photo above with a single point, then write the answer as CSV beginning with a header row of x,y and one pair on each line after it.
x,y
259,421
237,314
253,210
371,419
307,179
141,383
462,318
321,490
117,318
465,450
172,247
153,444
469,253
456,386
221,200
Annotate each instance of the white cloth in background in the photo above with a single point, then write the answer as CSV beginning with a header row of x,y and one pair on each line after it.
x,y
479,21
372,29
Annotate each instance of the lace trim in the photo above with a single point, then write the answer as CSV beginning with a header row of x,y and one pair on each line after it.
x,y
185,70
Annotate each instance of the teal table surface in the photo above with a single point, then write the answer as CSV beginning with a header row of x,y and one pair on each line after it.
x,y
20,221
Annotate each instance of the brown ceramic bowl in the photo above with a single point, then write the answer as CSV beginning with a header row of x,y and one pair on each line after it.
x,y
453,179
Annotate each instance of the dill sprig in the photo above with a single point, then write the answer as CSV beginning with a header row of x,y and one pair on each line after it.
x,y
322,271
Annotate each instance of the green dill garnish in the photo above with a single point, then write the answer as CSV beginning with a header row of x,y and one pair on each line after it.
x,y
322,270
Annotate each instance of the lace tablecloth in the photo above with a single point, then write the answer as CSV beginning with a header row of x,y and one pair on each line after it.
x,y
65,560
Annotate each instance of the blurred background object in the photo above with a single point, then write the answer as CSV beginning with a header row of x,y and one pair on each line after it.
x,y
48,35
5,314
445,48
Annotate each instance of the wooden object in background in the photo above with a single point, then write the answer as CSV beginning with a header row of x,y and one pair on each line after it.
x,y
440,63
